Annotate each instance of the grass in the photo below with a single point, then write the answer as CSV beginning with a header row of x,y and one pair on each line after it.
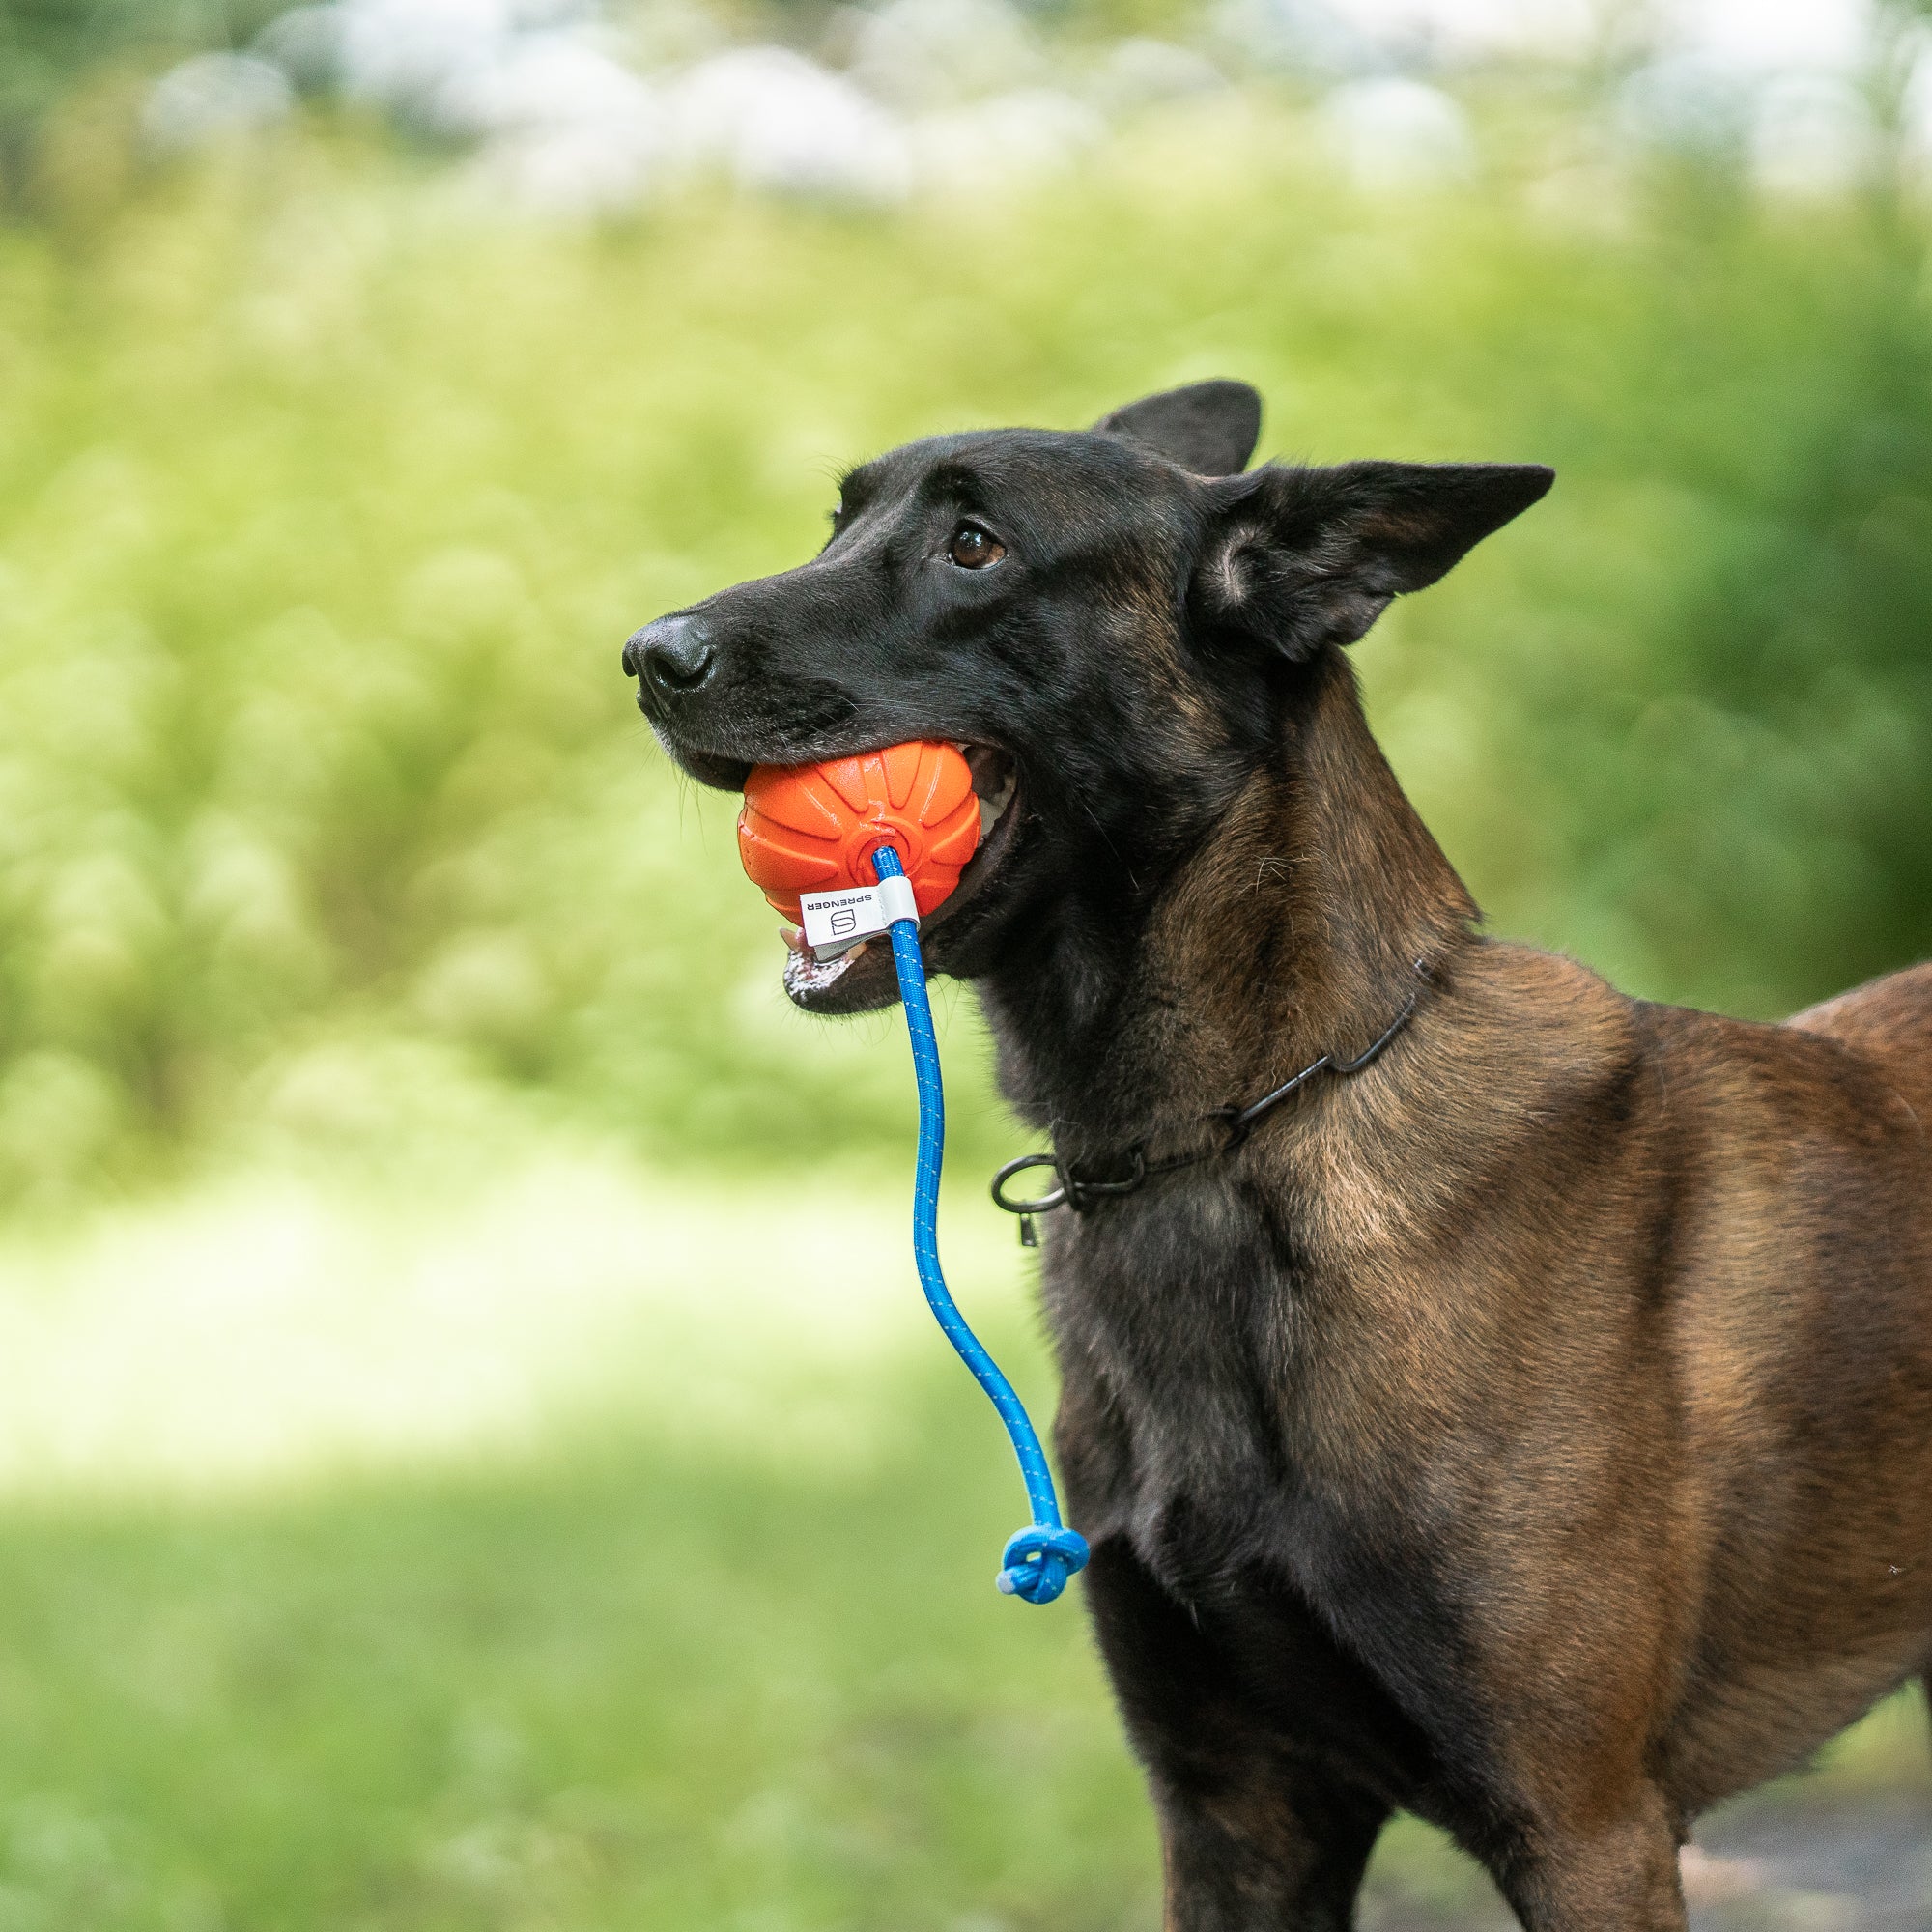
x,y
688,1622
700,1631
628,1690
631,1689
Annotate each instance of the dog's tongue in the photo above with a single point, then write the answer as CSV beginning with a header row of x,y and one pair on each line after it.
x,y
814,827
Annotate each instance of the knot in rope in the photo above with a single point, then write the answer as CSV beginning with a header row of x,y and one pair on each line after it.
x,y
1039,1560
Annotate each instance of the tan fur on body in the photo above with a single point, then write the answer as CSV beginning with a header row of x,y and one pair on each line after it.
x,y
1632,1304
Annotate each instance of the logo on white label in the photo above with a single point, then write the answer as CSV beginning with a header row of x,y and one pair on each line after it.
x,y
836,921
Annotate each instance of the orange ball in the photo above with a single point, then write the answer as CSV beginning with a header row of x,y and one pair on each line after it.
x,y
813,828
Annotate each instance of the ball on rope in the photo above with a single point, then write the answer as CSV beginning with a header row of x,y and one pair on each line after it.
x,y
814,827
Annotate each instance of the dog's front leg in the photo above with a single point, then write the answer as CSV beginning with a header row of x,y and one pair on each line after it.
x,y
1267,1850
1253,1838
1619,1874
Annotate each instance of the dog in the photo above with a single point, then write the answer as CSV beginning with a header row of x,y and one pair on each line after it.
x,y
1525,1418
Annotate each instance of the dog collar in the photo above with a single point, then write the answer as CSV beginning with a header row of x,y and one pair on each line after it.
x,y
1082,1189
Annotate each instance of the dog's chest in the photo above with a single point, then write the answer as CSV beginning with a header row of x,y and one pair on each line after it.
x,y
1176,1328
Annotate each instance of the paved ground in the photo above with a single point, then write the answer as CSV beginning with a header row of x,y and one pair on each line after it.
x,y
1843,1866
1832,1864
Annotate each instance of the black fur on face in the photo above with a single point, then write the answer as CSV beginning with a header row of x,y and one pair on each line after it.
x,y
1117,619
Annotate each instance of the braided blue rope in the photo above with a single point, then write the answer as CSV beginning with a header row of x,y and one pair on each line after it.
x,y
1039,1558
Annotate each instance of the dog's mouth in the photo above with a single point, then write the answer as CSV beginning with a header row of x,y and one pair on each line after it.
x,y
709,768
866,978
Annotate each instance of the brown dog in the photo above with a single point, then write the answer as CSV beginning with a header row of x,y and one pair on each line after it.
x,y
1527,1424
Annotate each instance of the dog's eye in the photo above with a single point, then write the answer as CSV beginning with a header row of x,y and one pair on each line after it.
x,y
974,549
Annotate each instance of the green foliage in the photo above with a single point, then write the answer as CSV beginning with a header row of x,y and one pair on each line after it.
x,y
326,498
48,48
327,501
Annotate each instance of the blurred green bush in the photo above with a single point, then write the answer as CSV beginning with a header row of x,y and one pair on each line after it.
x,y
51,48
327,499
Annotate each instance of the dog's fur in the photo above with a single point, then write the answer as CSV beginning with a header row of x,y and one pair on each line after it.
x,y
1533,1432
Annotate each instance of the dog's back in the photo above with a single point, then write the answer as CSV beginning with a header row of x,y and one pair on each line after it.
x,y
1889,1021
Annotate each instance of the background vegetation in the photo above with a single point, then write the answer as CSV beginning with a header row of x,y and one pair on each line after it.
x,y
348,920
337,508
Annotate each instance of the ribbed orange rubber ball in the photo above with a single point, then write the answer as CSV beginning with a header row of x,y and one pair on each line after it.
x,y
813,828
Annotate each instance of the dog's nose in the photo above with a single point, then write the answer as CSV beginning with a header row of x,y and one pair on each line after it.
x,y
673,654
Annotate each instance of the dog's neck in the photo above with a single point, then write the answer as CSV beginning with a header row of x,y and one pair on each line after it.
x,y
1291,930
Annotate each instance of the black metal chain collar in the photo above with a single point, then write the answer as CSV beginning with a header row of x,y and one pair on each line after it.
x,y
1233,1125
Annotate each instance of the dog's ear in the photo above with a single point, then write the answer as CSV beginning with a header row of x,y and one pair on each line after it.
x,y
1298,558
1207,427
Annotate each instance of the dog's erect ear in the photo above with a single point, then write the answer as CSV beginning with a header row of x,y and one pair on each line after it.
x,y
1207,427
1298,558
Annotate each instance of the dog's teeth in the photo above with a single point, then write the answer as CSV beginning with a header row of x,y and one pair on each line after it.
x,y
992,805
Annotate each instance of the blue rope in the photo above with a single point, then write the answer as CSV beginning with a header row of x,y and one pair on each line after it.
x,y
1039,1558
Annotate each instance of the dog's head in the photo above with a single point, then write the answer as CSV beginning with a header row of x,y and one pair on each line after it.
x,y
1110,622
